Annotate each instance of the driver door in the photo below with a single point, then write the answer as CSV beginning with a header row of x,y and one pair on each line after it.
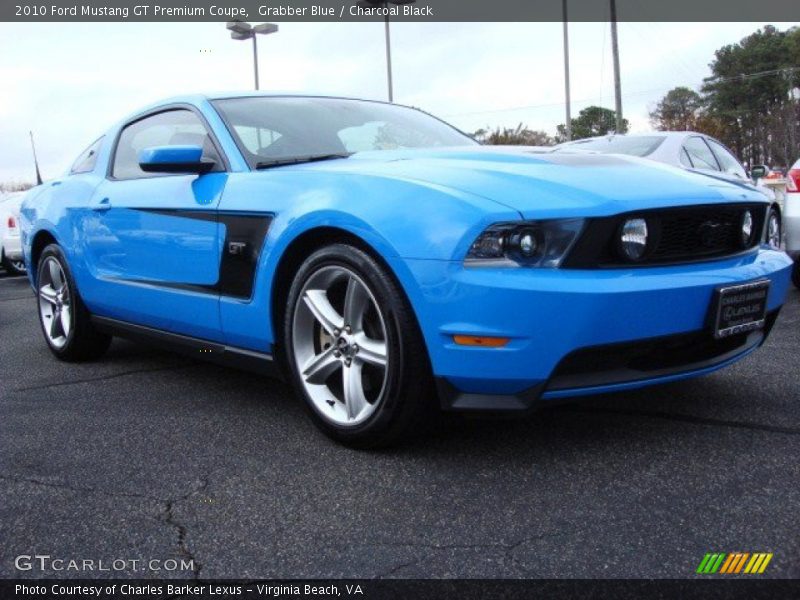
x,y
152,240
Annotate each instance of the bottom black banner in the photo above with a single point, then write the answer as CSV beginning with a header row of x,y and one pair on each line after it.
x,y
399,588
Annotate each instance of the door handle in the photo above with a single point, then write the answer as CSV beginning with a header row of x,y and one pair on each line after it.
x,y
104,204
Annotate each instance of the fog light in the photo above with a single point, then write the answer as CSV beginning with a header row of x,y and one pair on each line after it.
x,y
633,238
747,228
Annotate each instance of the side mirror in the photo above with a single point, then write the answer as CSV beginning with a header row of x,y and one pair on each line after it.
x,y
758,171
174,159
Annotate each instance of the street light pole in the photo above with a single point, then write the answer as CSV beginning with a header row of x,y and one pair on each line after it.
x,y
255,59
389,59
615,53
244,31
385,5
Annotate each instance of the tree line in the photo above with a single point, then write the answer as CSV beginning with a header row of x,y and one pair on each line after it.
x,y
8,187
590,122
751,102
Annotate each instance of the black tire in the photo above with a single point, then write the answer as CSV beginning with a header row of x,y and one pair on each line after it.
x,y
83,342
406,401
796,273
9,266
774,214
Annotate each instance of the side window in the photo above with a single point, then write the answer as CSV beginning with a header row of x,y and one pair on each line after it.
x,y
685,160
726,160
700,153
171,128
87,160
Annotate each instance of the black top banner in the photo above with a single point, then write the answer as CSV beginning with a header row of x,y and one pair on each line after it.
x,y
399,10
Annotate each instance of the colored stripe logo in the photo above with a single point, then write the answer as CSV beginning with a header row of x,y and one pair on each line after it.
x,y
734,562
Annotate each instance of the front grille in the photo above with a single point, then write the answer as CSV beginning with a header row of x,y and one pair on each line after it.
x,y
676,235
697,233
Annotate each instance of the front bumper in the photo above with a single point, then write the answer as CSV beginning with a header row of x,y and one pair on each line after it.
x,y
564,326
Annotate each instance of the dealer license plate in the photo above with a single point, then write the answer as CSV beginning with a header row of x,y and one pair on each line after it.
x,y
740,308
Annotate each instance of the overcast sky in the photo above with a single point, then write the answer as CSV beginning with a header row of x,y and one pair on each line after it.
x,y
69,82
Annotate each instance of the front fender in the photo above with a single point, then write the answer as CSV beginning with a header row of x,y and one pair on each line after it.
x,y
398,219
266,274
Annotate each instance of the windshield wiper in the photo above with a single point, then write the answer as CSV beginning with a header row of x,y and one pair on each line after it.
x,y
297,160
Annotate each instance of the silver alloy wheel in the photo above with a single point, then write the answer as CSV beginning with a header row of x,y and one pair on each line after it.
x,y
340,346
54,303
774,230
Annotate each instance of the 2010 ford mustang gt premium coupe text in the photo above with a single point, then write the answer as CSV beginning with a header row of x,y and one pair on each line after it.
x,y
383,261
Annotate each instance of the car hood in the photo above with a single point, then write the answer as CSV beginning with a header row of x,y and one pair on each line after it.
x,y
541,184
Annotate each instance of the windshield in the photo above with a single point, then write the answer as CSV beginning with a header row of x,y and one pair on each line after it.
x,y
633,146
275,129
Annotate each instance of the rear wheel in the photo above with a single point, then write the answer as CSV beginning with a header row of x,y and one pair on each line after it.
x,y
66,323
354,350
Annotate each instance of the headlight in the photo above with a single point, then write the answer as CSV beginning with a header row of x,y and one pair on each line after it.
x,y
529,244
633,239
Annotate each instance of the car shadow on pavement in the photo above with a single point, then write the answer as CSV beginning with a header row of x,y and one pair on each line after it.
x,y
722,400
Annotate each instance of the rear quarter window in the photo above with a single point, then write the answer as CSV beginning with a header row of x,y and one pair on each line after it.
x,y
87,160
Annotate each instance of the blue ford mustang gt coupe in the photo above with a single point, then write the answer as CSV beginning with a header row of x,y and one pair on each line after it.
x,y
381,260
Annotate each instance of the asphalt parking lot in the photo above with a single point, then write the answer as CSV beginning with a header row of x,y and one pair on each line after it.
x,y
146,455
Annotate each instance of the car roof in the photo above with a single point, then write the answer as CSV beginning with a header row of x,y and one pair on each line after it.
x,y
272,94
199,99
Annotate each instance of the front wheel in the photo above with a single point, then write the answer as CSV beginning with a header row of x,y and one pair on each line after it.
x,y
354,349
66,323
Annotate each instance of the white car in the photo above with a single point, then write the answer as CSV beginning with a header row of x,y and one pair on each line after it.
x,y
791,219
687,150
10,247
